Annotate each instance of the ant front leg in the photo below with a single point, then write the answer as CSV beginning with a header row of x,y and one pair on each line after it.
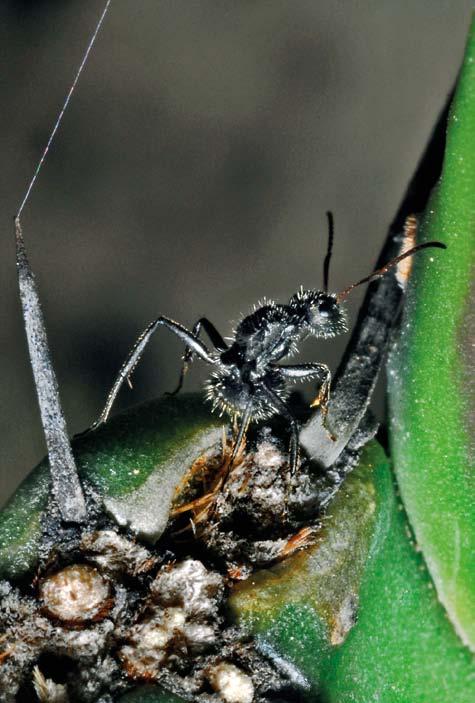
x,y
195,344
306,372
216,340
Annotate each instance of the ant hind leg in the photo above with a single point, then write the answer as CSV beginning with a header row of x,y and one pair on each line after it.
x,y
216,340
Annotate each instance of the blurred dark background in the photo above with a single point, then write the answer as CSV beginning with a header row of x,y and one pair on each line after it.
x,y
193,169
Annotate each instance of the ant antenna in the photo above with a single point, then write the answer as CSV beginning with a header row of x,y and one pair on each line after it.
x,y
384,269
63,109
326,263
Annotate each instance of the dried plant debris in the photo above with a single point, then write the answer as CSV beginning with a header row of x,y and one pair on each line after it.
x,y
256,518
47,690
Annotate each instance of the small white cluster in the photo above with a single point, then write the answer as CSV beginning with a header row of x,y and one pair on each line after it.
x,y
231,683
182,618
191,586
47,690
114,554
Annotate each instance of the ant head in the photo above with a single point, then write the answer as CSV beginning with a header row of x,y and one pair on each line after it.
x,y
321,313
319,310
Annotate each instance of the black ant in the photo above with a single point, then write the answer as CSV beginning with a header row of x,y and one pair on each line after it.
x,y
247,381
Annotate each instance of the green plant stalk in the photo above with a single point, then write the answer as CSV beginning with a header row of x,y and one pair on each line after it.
x,y
432,370
403,648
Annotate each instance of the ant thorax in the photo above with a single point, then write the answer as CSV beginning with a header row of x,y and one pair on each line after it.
x,y
245,371
268,334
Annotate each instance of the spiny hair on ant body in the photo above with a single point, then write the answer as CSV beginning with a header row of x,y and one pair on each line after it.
x,y
248,382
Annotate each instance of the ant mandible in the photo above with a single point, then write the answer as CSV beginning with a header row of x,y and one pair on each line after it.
x,y
247,381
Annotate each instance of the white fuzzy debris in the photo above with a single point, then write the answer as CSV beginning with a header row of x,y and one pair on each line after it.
x,y
191,586
200,637
148,643
268,456
85,643
47,690
115,554
231,683
182,621
283,665
344,620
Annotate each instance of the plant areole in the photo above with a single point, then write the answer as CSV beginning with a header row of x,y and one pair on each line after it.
x,y
432,372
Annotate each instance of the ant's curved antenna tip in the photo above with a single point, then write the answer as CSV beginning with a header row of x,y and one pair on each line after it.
x,y
384,269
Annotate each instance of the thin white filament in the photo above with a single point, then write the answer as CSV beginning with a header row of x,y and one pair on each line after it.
x,y
64,108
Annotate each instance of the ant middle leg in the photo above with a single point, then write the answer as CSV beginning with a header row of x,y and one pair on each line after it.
x,y
321,401
308,371
216,340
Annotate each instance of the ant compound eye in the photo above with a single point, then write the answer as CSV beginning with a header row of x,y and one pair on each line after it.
x,y
325,307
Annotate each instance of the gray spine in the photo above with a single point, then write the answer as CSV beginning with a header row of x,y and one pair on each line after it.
x,y
66,486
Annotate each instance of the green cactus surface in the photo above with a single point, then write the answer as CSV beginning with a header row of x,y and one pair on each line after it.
x,y
432,374
402,647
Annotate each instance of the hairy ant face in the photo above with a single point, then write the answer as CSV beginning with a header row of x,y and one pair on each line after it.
x,y
326,318
321,313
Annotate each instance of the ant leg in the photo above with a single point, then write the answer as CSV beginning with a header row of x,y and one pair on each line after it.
x,y
322,400
137,350
280,407
246,418
304,371
216,340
